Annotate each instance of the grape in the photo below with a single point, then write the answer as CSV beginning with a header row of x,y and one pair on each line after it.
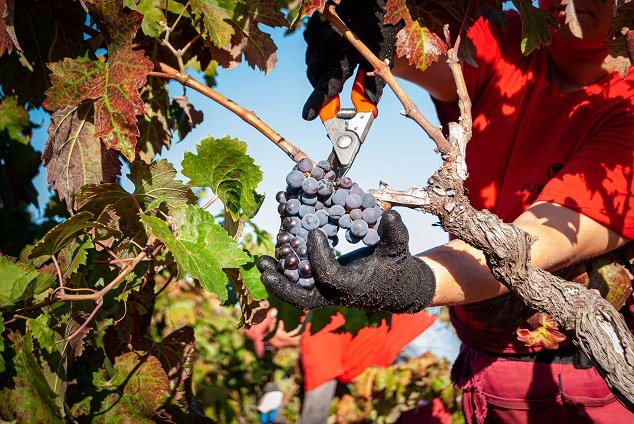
x,y
336,211
292,275
315,199
310,185
359,228
305,165
310,222
281,197
307,283
294,179
345,221
325,165
331,230
297,242
351,238
371,238
323,217
304,268
370,215
317,173
356,214
292,207
339,197
291,261
284,237
355,189
305,210
353,201
308,199
367,200
325,188
345,182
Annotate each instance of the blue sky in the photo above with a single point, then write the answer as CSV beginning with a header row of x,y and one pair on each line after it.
x,y
396,150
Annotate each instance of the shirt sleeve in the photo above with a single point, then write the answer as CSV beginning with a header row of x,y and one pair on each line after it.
x,y
598,181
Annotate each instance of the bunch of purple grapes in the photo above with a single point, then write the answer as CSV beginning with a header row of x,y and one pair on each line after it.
x,y
315,199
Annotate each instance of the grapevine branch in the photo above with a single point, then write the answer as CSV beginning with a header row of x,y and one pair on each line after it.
x,y
599,330
167,72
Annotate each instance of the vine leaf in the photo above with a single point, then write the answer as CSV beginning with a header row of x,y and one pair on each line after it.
x,y
113,84
153,23
415,42
184,116
18,281
201,247
154,126
571,18
74,255
535,31
251,278
29,397
176,353
2,364
215,16
43,333
73,155
63,233
8,39
308,7
137,389
223,165
543,332
14,118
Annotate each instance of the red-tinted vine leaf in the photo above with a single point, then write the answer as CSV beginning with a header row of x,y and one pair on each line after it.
x,y
176,353
8,39
215,16
308,7
224,166
542,331
535,22
73,155
154,127
138,388
615,278
113,84
63,233
201,247
415,42
185,117
118,26
26,396
153,23
18,281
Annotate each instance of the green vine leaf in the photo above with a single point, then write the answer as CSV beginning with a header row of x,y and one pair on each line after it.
x,y
201,247
60,235
223,165
14,118
251,278
74,255
153,23
43,333
113,84
18,282
535,31
2,363
27,396
74,156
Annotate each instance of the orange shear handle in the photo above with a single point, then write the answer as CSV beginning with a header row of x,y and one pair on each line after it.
x,y
359,100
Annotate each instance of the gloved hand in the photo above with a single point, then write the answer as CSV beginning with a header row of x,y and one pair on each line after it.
x,y
331,59
385,277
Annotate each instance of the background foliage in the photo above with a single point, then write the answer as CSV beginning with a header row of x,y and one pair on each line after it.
x,y
109,301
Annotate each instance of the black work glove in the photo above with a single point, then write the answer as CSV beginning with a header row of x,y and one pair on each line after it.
x,y
331,59
385,277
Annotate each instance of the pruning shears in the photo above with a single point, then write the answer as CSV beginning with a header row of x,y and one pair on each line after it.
x,y
347,128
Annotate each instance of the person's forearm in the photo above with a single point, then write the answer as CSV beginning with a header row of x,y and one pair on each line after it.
x,y
562,237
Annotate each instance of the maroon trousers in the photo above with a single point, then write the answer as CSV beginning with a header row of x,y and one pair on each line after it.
x,y
506,390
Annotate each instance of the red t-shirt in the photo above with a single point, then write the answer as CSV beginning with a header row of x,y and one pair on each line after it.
x,y
531,142
328,355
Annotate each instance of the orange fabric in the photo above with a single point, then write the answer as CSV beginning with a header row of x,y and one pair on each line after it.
x,y
531,142
328,355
